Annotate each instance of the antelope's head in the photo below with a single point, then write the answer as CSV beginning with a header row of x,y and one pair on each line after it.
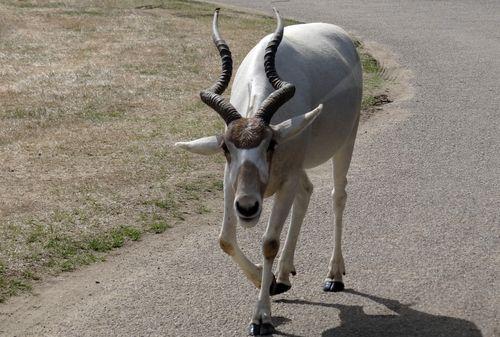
x,y
248,143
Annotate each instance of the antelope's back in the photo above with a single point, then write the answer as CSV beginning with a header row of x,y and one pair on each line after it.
x,y
322,62
319,59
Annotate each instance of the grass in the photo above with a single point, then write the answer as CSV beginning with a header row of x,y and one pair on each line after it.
x,y
373,80
159,227
93,95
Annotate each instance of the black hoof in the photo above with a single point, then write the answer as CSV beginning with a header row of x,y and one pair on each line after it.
x,y
261,329
333,286
279,288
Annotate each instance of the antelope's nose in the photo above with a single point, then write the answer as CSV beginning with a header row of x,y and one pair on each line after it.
x,y
247,207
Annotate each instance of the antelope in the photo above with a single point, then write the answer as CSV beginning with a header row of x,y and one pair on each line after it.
x,y
269,142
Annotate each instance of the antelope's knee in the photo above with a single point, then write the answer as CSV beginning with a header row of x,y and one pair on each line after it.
x,y
227,247
270,248
339,198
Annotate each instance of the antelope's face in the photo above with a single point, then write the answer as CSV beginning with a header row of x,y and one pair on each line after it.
x,y
248,143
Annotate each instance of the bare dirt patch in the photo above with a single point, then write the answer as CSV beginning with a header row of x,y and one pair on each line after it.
x,y
93,95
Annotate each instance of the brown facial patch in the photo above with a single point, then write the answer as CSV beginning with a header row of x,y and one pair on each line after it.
x,y
249,178
246,133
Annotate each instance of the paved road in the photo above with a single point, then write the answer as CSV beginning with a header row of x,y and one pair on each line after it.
x,y
422,238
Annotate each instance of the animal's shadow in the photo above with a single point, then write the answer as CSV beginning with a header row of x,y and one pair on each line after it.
x,y
408,322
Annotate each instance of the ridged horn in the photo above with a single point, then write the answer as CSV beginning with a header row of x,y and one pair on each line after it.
x,y
284,90
212,96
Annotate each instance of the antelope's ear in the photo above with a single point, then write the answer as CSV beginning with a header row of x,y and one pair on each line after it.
x,y
204,146
294,126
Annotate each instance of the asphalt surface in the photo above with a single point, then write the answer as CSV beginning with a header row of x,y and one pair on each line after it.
x,y
421,239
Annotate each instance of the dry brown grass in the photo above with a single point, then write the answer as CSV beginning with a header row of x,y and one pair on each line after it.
x,y
93,94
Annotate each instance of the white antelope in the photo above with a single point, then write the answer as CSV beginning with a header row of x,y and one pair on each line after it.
x,y
270,141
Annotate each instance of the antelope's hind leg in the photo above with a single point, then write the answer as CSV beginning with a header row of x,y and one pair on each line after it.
x,y
299,209
341,161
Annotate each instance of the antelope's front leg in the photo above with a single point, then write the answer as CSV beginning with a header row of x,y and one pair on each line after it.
x,y
299,209
227,238
229,244
261,321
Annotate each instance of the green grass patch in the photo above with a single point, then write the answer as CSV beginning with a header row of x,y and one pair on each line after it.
x,y
370,65
83,258
85,12
116,238
187,197
35,4
159,227
368,101
372,78
61,246
11,285
61,253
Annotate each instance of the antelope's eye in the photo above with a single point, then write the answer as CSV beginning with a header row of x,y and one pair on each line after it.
x,y
226,152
